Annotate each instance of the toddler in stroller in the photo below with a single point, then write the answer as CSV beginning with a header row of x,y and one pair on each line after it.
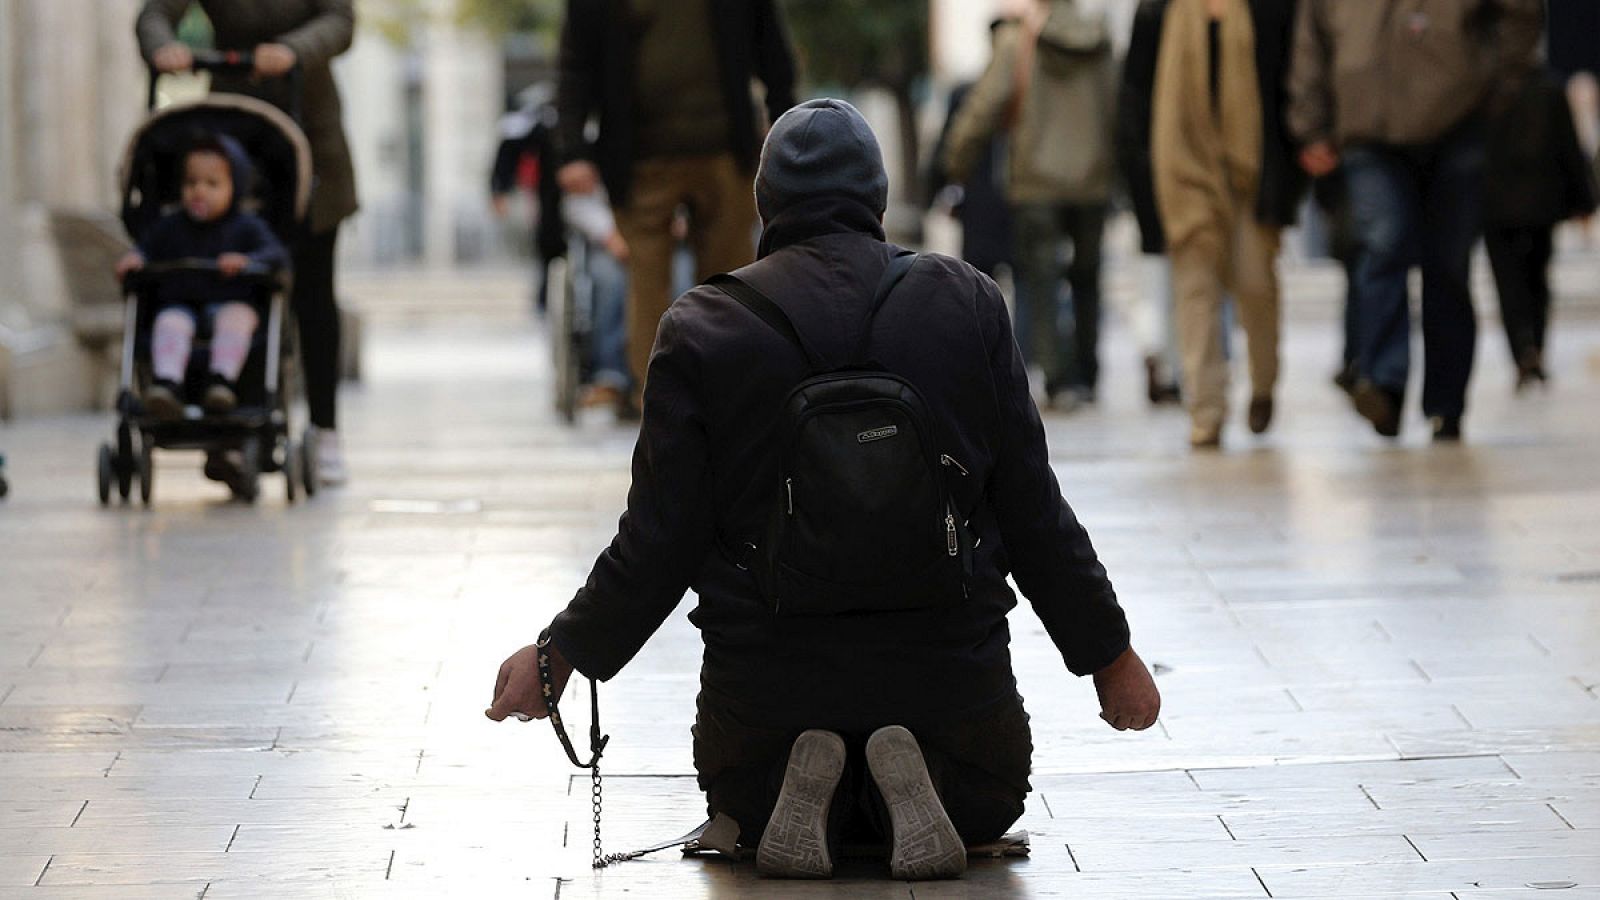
x,y
208,225
212,191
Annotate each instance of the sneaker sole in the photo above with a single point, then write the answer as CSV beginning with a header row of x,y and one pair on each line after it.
x,y
926,845
795,844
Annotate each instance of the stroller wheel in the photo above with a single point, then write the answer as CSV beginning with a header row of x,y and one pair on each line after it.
x,y
308,468
125,461
248,485
105,473
147,468
291,470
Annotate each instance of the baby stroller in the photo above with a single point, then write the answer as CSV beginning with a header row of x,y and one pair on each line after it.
x,y
255,437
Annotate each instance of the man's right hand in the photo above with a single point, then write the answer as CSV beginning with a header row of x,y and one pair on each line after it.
x,y
1319,159
579,177
173,57
518,690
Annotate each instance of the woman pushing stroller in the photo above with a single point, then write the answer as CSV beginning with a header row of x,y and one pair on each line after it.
x,y
209,225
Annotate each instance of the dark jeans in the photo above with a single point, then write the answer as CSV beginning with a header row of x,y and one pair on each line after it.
x,y
1071,359
979,765
1417,206
1520,258
317,313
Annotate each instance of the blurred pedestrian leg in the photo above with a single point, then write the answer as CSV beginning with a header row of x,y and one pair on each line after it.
x,y
1410,205
1069,360
1537,178
1239,255
721,233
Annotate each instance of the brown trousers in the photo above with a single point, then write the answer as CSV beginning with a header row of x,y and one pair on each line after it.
x,y
1239,255
721,204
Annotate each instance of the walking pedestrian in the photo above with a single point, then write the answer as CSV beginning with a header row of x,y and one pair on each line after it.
x,y
670,86
1397,91
1050,83
1538,177
285,34
1226,185
281,35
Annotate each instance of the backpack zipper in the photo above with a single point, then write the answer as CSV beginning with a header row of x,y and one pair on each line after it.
x,y
788,489
950,543
946,459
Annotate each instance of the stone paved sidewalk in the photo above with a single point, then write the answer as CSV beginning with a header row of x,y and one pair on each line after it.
x,y
1379,661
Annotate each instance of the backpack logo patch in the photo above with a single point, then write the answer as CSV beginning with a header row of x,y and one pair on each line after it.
x,y
877,434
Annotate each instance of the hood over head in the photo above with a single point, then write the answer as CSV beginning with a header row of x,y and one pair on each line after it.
x,y
240,168
820,148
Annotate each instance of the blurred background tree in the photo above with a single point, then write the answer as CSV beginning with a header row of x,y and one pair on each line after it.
x,y
852,44
502,17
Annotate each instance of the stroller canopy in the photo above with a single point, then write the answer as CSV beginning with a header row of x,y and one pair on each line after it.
x,y
152,171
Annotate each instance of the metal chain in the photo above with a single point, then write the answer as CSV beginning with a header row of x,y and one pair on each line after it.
x,y
600,861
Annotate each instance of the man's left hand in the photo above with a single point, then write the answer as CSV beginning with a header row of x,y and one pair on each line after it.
x,y
1128,695
517,690
273,60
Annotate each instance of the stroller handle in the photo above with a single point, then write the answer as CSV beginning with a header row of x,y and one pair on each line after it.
x,y
224,61
233,61
255,274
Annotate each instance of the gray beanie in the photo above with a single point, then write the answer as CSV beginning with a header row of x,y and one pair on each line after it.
x,y
820,147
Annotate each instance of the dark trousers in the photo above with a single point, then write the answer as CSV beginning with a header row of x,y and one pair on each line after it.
x,y
979,766
1042,230
1417,206
317,313
1520,258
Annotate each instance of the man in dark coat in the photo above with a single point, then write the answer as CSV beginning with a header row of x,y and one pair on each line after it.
x,y
705,474
670,86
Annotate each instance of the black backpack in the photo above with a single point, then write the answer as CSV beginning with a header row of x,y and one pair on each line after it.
x,y
863,517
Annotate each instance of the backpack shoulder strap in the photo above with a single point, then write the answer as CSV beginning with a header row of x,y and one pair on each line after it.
x,y
764,308
898,266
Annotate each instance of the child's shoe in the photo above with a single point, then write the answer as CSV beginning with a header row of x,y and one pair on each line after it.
x,y
163,400
221,396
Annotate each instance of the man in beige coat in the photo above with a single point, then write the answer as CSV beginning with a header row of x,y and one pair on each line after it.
x,y
1225,185
283,34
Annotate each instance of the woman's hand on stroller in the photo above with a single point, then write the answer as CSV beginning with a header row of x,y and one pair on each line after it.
x,y
517,690
231,264
174,57
274,60
130,262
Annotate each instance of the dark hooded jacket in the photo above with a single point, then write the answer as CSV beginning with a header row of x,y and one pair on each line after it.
x,y
175,236
705,476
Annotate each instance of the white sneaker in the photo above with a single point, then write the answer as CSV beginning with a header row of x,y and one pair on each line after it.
x,y
330,458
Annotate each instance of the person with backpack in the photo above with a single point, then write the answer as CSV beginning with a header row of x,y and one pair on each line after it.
x,y
1051,84
839,453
